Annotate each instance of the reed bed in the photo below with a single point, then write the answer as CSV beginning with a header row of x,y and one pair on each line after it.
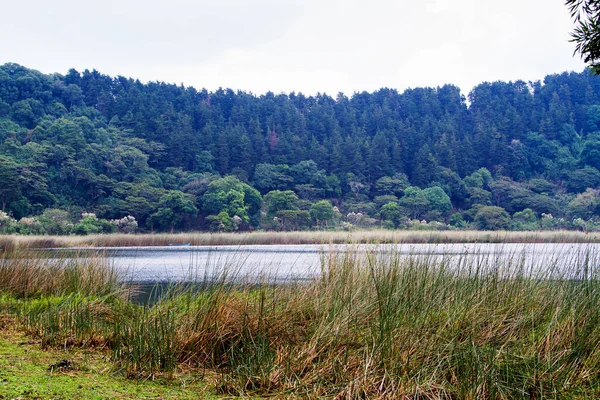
x,y
373,325
300,237
26,275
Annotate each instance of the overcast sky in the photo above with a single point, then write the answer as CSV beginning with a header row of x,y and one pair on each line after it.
x,y
305,46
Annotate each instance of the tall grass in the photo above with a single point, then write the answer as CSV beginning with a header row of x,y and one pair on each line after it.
x,y
375,324
303,237
31,274
64,299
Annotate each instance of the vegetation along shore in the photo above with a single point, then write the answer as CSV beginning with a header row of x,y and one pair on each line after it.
x,y
299,237
87,153
372,325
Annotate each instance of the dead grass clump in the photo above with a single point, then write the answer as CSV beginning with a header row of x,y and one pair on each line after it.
x,y
7,243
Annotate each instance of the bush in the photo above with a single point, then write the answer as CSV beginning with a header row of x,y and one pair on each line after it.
x,y
525,220
90,224
457,220
221,222
7,223
492,218
392,214
56,222
126,224
322,212
30,226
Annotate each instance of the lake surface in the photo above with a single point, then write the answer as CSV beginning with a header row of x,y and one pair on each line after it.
x,y
284,263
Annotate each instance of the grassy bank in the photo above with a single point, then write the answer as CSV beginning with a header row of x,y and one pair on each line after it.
x,y
374,325
301,237
30,372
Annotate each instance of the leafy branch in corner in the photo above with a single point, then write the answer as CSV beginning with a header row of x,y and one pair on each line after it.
x,y
586,35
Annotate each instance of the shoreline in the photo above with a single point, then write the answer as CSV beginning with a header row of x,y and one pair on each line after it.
x,y
298,237
370,313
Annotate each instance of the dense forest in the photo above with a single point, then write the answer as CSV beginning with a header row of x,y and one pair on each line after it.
x,y
85,152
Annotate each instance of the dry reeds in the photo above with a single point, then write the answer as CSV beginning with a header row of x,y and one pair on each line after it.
x,y
300,237
24,274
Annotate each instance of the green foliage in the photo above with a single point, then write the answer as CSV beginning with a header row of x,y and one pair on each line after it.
x,y
391,212
457,220
322,212
291,220
492,218
56,222
139,207
438,199
221,222
117,147
391,186
233,196
479,196
585,205
453,186
541,186
525,220
479,179
205,162
10,188
173,207
268,177
415,202
590,155
581,179
586,15
515,197
90,224
277,200
385,199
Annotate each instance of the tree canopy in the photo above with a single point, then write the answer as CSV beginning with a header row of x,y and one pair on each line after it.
x,y
166,157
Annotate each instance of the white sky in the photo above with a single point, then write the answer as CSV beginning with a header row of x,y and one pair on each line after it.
x,y
305,46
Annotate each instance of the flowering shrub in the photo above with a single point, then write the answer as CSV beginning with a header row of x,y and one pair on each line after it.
x,y
126,224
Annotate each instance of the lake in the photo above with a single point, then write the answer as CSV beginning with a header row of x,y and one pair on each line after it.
x,y
284,263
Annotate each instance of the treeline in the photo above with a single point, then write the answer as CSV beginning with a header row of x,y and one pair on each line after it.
x,y
83,151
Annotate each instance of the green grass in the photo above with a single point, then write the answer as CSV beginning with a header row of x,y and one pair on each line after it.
x,y
24,374
374,325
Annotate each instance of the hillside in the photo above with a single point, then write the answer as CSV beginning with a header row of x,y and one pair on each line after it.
x,y
516,155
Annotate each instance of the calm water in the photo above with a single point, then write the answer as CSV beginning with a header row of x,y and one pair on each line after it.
x,y
281,263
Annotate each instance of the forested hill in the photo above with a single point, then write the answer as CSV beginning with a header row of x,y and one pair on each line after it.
x,y
162,153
